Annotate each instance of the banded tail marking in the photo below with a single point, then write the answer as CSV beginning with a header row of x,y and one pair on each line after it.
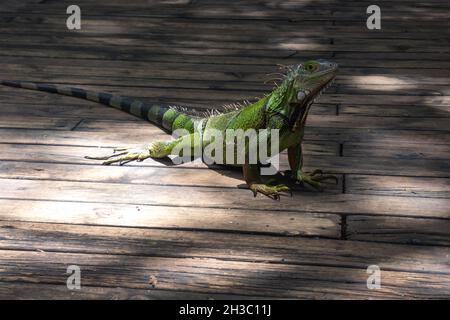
x,y
161,115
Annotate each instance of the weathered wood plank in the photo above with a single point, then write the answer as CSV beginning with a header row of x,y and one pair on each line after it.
x,y
305,44
153,51
320,44
318,13
64,167
106,193
401,150
91,110
154,28
387,123
216,276
386,88
188,12
375,136
33,236
399,186
147,69
317,156
381,166
88,110
76,154
120,25
98,139
142,54
225,56
149,73
38,123
125,224
385,99
154,174
182,22
399,230
40,291
148,93
172,217
28,100
422,111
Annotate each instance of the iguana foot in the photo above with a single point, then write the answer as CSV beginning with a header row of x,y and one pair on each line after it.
x,y
123,156
273,192
314,178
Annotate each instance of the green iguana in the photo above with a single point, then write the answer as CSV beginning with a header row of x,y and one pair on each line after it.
x,y
285,108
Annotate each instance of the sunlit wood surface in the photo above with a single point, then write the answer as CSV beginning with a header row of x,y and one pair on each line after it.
x,y
149,230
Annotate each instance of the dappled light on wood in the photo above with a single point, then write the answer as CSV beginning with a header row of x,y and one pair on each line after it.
x,y
154,230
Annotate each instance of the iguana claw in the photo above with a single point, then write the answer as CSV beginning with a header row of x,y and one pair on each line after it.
x,y
127,155
314,178
273,192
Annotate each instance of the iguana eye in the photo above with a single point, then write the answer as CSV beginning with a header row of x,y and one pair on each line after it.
x,y
309,67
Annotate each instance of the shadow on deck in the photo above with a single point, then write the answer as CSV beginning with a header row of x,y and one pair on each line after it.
x,y
149,230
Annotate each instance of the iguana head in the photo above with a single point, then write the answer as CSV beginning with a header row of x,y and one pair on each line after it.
x,y
302,84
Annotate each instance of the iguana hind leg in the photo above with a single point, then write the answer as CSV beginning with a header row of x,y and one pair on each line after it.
x,y
125,155
159,149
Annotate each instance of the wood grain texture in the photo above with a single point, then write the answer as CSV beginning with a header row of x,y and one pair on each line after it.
x,y
42,291
221,198
382,128
173,217
218,276
401,186
142,241
399,230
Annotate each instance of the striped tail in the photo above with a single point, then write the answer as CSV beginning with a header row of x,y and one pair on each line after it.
x,y
163,116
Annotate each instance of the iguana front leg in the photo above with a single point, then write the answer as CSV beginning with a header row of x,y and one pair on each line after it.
x,y
253,179
313,179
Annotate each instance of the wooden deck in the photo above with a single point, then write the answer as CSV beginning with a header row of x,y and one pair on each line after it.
x,y
153,231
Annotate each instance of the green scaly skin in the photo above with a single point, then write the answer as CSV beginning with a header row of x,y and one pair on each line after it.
x,y
285,108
